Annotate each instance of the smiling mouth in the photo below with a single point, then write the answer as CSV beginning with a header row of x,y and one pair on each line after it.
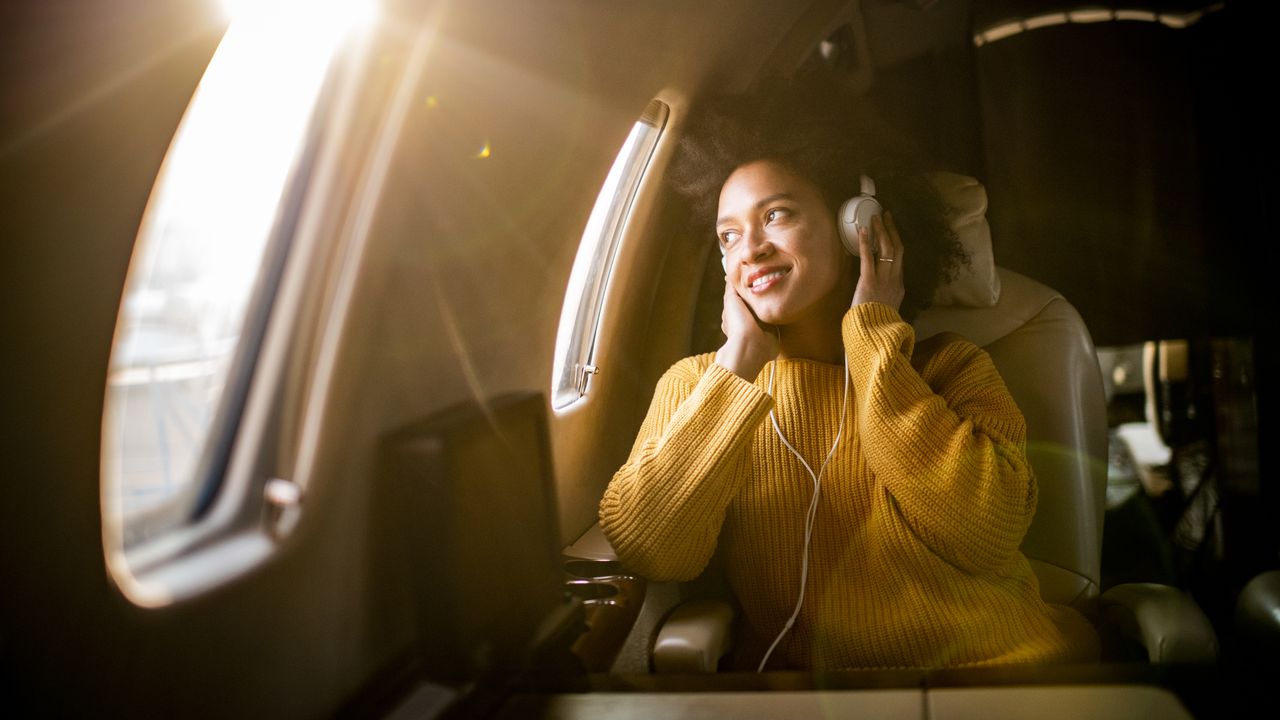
x,y
764,281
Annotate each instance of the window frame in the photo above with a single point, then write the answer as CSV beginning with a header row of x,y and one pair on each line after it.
x,y
583,310
236,522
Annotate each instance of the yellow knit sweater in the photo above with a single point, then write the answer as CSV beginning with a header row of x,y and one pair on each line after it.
x,y
914,559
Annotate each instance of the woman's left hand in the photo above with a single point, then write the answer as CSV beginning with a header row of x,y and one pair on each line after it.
x,y
880,275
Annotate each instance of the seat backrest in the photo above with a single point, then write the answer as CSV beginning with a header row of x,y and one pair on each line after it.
x,y
1046,356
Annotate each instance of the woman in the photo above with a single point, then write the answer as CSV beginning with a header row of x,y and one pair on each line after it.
x,y
867,494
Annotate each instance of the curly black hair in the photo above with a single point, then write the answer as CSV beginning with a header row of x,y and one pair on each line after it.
x,y
831,140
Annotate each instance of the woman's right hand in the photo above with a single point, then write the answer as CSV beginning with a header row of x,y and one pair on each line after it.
x,y
749,344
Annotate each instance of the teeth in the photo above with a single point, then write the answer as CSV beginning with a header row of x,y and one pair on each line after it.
x,y
766,278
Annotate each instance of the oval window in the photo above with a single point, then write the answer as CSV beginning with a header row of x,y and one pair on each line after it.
x,y
584,298
201,280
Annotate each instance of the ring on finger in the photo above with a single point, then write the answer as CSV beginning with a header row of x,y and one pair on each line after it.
x,y
888,260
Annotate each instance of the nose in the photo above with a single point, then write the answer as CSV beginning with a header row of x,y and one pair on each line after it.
x,y
755,244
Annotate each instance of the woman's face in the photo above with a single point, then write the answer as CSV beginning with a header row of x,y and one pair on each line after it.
x,y
779,239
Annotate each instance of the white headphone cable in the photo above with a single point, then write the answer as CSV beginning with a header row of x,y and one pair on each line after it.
x,y
812,514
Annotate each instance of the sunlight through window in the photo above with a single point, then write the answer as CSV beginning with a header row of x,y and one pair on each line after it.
x,y
198,255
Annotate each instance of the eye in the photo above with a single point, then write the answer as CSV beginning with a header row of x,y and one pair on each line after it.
x,y
776,214
729,237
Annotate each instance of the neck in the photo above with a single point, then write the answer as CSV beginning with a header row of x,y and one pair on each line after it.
x,y
816,336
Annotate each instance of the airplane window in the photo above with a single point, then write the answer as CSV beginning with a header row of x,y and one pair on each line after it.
x,y
198,292
584,299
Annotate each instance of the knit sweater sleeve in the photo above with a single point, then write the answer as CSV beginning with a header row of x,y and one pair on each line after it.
x,y
946,442
663,509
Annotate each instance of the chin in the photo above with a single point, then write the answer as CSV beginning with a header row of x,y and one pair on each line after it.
x,y
773,316
782,311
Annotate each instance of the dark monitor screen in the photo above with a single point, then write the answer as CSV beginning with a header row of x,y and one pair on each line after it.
x,y
473,527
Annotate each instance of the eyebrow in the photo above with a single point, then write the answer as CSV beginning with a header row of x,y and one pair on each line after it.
x,y
759,204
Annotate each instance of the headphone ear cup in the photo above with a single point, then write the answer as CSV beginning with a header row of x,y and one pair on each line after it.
x,y
856,212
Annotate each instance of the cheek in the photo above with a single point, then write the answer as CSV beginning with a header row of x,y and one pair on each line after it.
x,y
825,252
834,273
819,242
732,270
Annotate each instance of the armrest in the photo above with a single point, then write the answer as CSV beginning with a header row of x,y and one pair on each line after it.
x,y
694,637
1258,615
1162,619
593,545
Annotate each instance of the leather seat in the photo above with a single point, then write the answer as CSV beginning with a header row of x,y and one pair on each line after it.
x,y
1046,356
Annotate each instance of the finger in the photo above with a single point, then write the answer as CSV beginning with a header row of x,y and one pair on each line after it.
x,y
727,310
887,249
866,256
732,298
729,294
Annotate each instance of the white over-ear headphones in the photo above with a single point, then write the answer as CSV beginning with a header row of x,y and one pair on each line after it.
x,y
855,214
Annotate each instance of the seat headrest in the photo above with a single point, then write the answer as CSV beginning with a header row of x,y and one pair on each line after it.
x,y
978,284
1021,299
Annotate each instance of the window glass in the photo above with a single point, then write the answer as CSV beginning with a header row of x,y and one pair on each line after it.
x,y
584,299
197,261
